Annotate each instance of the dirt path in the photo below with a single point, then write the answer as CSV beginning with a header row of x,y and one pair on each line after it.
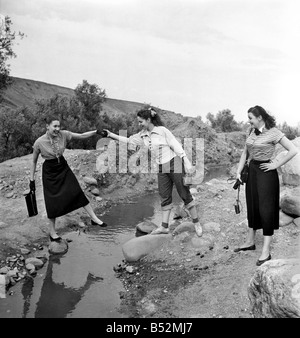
x,y
182,281
179,279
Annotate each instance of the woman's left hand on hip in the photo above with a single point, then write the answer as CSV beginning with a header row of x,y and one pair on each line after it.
x,y
268,166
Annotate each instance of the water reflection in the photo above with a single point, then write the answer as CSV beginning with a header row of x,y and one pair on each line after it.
x,y
56,299
70,285
27,290
63,289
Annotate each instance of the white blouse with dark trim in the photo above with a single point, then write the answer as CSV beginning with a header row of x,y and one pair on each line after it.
x,y
261,147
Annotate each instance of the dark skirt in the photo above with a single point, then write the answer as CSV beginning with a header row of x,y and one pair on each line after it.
x,y
262,198
62,192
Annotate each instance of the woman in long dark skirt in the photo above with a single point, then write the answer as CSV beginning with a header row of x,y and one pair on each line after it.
x,y
262,186
62,192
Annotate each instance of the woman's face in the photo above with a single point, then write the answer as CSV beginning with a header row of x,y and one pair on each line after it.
x,y
143,123
53,128
254,121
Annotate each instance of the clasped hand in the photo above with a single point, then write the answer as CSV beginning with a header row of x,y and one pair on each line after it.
x,y
107,132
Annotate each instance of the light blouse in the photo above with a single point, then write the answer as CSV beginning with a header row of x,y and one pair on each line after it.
x,y
44,144
160,141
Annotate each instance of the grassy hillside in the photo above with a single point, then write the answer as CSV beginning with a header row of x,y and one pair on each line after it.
x,y
24,92
219,149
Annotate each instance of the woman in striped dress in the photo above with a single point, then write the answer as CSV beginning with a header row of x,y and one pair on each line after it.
x,y
262,187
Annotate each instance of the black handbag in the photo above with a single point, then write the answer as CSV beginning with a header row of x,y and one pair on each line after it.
x,y
245,173
245,170
30,199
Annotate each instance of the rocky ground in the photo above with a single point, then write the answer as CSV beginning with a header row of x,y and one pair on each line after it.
x,y
204,278
183,278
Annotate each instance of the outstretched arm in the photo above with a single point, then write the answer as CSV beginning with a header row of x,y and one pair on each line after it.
x,y
116,137
83,136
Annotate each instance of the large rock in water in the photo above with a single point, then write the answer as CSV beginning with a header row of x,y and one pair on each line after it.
x,y
274,290
184,226
139,247
58,247
146,227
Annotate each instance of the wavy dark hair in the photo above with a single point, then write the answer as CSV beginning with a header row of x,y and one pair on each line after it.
x,y
150,113
50,118
269,120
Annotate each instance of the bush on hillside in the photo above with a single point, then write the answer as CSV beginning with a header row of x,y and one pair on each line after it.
x,y
290,132
223,122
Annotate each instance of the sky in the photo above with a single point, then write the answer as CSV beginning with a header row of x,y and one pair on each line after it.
x,y
192,57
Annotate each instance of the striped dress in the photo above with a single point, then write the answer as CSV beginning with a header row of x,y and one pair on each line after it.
x,y
262,188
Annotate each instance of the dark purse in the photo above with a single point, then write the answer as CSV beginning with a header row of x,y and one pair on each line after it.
x,y
245,173
245,170
30,200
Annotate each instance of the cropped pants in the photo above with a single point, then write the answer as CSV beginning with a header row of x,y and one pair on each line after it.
x,y
170,174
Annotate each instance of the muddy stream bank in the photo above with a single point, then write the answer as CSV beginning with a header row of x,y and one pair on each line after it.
x,y
177,281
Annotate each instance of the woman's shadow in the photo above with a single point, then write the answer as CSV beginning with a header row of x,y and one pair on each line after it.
x,y
56,300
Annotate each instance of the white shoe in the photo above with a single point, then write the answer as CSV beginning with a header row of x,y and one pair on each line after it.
x,y
160,230
198,229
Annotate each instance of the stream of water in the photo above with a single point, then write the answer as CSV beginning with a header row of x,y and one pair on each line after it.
x,y
82,283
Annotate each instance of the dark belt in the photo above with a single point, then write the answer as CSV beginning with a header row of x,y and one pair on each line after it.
x,y
259,162
61,158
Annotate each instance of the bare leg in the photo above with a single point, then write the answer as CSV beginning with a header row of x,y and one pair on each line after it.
x,y
250,238
88,208
164,227
194,214
52,231
166,216
266,248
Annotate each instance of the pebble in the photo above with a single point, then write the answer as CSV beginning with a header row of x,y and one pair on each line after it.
x,y
129,269
81,225
10,194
